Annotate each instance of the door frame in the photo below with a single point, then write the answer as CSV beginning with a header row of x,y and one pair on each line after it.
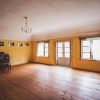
x,y
70,50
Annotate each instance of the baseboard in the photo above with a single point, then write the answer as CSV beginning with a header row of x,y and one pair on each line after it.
x,y
19,64
85,70
43,63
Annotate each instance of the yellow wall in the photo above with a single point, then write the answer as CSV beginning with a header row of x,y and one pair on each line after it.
x,y
19,55
76,62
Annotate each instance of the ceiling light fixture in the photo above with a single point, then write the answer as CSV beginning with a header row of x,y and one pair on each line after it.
x,y
25,28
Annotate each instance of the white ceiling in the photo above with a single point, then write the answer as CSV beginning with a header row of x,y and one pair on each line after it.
x,y
48,18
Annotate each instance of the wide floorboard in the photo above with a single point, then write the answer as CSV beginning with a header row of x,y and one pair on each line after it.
x,y
44,82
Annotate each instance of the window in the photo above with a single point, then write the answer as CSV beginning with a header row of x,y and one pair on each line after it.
x,y
42,49
90,48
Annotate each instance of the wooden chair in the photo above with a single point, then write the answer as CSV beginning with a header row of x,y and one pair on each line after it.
x,y
5,61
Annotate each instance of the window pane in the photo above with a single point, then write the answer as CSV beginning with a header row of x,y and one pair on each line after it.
x,y
60,50
67,49
46,54
96,49
60,55
46,49
86,49
86,55
85,42
60,44
66,44
40,49
67,55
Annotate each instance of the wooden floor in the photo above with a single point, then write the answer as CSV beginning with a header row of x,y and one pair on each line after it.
x,y
43,82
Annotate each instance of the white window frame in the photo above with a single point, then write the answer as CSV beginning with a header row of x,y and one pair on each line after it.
x,y
63,47
91,42
44,49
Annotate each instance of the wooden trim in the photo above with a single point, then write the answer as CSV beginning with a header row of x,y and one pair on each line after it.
x,y
85,70
43,41
89,36
43,63
20,64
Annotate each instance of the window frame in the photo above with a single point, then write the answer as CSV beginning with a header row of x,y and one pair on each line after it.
x,y
44,48
91,56
63,48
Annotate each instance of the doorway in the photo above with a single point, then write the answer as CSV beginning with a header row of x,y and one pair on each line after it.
x,y
63,53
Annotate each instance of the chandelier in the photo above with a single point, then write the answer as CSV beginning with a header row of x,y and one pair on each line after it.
x,y
25,28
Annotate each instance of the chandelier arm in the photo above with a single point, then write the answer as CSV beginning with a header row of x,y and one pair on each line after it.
x,y
26,29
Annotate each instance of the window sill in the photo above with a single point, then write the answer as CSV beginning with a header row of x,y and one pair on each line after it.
x,y
42,57
90,60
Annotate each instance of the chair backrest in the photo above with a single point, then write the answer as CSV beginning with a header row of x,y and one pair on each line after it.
x,y
7,57
4,61
4,57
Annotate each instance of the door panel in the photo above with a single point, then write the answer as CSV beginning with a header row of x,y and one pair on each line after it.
x,y
63,53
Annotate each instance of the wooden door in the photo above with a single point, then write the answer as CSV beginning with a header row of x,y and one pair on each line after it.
x,y
63,53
